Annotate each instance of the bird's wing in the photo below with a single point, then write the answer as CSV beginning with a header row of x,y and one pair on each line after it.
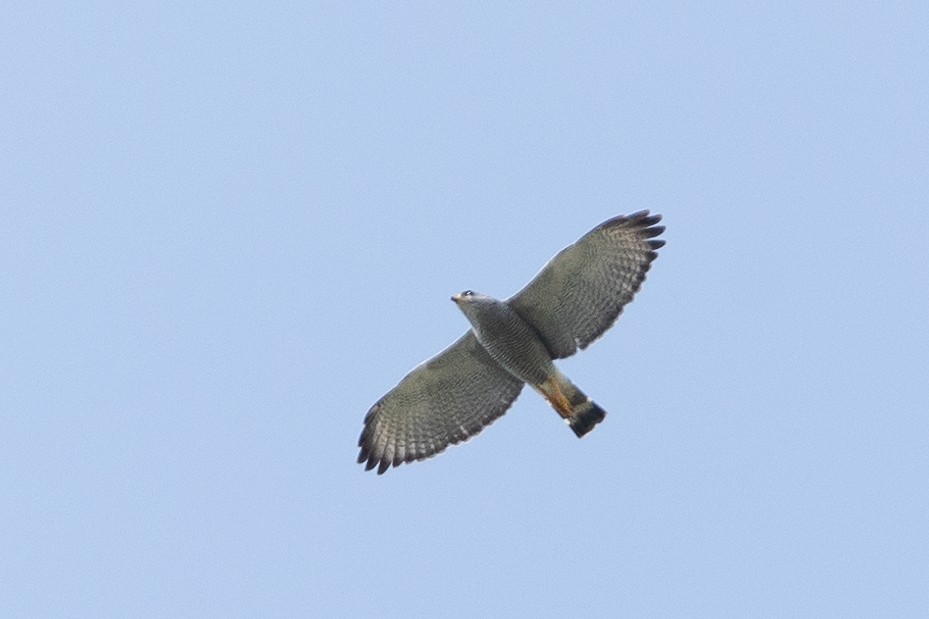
x,y
444,401
581,292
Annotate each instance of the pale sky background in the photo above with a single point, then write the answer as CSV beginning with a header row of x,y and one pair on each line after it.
x,y
226,231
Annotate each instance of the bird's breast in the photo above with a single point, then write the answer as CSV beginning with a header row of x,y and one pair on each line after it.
x,y
514,344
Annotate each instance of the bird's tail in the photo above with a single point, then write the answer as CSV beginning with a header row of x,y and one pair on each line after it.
x,y
578,411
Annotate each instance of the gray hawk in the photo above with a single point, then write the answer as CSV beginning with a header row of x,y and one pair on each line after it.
x,y
573,300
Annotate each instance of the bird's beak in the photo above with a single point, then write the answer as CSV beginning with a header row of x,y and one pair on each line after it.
x,y
456,297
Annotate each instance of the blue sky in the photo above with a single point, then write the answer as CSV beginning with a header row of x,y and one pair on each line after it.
x,y
226,232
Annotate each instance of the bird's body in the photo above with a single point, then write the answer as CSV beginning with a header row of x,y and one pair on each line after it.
x,y
507,338
516,346
575,298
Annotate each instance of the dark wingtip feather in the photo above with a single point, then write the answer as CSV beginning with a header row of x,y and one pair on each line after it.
x,y
370,459
643,219
640,220
366,454
648,233
365,450
656,244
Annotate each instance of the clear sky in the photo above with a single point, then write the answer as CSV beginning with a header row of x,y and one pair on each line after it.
x,y
226,231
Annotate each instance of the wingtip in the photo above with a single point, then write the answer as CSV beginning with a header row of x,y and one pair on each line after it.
x,y
640,220
369,458
652,231
643,218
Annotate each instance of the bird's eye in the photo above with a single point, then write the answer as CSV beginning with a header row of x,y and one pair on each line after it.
x,y
467,293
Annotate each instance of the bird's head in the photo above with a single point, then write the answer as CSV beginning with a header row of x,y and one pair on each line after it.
x,y
463,297
468,297
473,303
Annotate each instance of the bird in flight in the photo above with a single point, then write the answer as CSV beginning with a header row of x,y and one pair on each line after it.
x,y
572,301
